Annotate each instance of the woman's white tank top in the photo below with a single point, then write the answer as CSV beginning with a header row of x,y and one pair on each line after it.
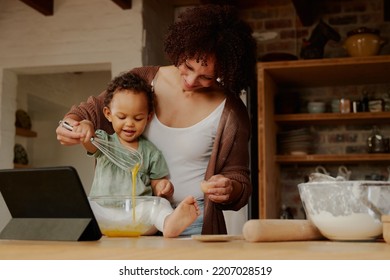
x,y
187,151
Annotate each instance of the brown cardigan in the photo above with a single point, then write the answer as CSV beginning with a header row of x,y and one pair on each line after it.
x,y
230,156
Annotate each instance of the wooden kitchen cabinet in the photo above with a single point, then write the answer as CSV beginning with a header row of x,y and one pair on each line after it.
x,y
273,77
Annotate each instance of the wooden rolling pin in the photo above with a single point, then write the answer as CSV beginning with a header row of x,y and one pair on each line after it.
x,y
280,230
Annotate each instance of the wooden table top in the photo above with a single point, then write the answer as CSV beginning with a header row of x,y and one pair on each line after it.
x,y
153,248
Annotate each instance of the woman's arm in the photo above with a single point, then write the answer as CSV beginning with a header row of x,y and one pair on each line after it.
x,y
229,163
92,111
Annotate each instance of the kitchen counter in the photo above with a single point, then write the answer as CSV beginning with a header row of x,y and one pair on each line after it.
x,y
153,248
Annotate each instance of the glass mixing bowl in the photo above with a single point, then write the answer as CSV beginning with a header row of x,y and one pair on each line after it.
x,y
346,210
125,216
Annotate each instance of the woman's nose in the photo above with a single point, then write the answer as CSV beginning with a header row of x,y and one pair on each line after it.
x,y
191,79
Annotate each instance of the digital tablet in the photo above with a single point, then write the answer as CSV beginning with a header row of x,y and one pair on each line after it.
x,y
47,203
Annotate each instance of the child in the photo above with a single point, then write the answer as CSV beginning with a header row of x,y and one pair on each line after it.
x,y
129,107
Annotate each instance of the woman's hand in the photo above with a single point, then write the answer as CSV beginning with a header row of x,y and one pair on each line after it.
x,y
71,132
218,188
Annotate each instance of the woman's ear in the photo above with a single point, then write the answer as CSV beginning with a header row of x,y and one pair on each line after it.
x,y
107,113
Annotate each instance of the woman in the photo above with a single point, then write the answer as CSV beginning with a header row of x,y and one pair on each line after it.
x,y
200,123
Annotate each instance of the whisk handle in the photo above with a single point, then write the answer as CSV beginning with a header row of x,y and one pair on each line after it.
x,y
66,125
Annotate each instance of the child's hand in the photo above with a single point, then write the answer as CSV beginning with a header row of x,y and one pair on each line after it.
x,y
85,129
164,188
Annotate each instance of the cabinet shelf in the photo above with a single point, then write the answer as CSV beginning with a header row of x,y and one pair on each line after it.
x,y
25,132
333,118
324,158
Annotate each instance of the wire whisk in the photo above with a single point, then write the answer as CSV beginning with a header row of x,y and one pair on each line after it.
x,y
125,158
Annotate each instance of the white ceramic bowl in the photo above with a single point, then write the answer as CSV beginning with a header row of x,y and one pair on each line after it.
x,y
117,217
346,210
316,107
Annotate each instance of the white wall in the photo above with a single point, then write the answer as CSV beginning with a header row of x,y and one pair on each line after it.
x,y
82,36
47,97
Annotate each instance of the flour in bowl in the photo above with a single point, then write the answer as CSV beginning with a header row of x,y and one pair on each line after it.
x,y
355,226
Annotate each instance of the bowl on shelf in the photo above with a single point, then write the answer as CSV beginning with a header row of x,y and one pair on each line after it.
x,y
363,41
346,210
316,107
125,216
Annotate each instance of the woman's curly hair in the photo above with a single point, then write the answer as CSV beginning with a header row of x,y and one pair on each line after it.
x,y
129,81
215,30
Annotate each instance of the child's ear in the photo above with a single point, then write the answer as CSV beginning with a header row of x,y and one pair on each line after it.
x,y
107,113
150,116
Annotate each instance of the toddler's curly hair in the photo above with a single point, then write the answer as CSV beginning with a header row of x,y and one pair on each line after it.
x,y
129,81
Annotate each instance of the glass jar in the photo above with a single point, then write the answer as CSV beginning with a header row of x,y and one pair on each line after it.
x,y
345,105
375,142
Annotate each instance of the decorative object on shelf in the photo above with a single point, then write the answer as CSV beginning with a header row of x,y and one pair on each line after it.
x,y
363,41
376,105
345,105
314,47
22,119
356,106
20,155
365,100
386,101
375,142
316,107
335,105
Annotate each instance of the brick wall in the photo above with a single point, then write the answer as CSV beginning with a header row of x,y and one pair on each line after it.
x,y
279,16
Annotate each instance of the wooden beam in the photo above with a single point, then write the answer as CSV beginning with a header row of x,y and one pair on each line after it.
x,y
45,7
124,4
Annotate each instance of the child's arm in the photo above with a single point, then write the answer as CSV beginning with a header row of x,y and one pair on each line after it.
x,y
91,148
162,187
